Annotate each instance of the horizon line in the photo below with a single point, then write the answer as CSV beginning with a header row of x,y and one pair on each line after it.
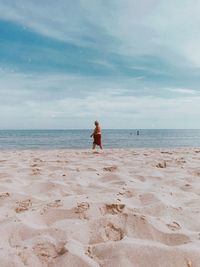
x,y
85,129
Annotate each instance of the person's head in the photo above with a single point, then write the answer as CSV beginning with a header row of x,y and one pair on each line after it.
x,y
96,123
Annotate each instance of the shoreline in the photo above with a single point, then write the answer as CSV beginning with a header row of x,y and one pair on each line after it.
x,y
98,149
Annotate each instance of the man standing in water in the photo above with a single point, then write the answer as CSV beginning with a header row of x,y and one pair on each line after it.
x,y
96,135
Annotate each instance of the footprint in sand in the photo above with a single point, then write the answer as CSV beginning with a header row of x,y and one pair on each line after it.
x,y
113,233
36,171
37,160
47,251
180,161
4,194
110,169
113,208
174,226
161,165
23,205
126,193
186,187
81,209
34,165
197,173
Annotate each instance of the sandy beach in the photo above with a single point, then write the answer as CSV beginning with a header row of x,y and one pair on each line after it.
x,y
110,208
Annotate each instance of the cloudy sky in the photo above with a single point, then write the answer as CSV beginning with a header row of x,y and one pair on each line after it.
x,y
127,63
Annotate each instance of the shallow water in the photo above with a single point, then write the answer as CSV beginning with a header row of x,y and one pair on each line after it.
x,y
60,139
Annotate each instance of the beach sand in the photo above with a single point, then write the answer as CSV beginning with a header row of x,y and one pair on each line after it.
x,y
110,208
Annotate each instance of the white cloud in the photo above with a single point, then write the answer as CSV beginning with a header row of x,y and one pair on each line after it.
x,y
177,26
166,28
185,91
32,105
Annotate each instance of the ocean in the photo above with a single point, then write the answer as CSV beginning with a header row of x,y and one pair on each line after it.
x,y
80,139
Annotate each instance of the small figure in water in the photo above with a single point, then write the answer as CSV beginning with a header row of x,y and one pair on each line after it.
x,y
96,135
138,132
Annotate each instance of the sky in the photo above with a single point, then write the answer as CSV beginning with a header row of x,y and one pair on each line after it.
x,y
127,63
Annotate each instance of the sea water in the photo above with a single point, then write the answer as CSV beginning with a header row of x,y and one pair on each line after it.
x,y
80,139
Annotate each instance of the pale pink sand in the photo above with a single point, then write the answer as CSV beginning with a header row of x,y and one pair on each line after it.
x,y
111,208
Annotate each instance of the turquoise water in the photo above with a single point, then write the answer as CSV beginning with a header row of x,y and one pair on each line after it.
x,y
61,139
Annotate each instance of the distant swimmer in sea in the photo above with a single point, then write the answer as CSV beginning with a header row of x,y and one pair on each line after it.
x,y
96,135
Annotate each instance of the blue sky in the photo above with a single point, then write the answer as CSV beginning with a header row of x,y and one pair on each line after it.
x,y
127,63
